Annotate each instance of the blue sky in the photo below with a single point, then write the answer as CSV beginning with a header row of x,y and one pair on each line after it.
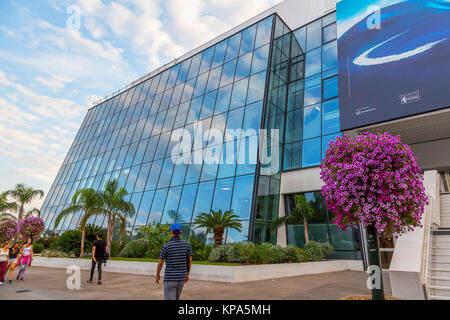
x,y
51,71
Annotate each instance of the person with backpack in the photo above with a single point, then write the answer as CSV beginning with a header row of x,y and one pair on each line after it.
x,y
98,257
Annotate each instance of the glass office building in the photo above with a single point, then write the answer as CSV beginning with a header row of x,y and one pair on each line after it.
x,y
264,76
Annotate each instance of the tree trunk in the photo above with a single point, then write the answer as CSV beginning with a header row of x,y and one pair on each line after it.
x,y
21,210
83,234
218,235
109,233
375,270
305,224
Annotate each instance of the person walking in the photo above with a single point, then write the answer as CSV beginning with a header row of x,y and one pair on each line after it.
x,y
177,254
13,253
26,257
98,256
4,257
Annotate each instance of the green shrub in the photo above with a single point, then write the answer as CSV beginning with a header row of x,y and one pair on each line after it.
x,y
38,247
56,254
117,246
200,251
224,253
70,242
317,251
157,235
135,249
289,254
303,255
247,252
268,253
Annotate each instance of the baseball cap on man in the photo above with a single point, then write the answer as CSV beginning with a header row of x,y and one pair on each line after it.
x,y
176,228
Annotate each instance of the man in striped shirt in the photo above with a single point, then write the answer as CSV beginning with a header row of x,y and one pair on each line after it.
x,y
177,254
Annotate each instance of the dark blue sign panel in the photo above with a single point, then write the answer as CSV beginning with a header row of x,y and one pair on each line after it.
x,y
394,59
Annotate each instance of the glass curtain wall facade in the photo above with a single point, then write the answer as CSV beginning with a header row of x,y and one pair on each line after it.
x,y
128,138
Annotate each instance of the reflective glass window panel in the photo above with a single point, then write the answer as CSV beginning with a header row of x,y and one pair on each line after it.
x,y
260,59
247,155
248,40
293,126
252,117
314,35
131,181
329,33
176,97
162,146
151,148
298,42
311,153
326,140
296,95
256,87
330,88
222,195
184,71
233,47
329,19
158,125
263,32
209,170
200,86
329,55
179,174
312,122
121,181
157,206
228,73
154,175
121,157
208,55
193,173
223,99
219,53
297,68
208,105
292,154
171,207
181,115
173,76
235,118
188,90
313,62
243,66
144,208
130,155
218,123
140,152
214,79
204,198
194,110
138,132
330,73
187,203
163,81
330,120
238,236
142,177
148,127
242,196
195,65
239,94
166,100
313,93
156,102
170,119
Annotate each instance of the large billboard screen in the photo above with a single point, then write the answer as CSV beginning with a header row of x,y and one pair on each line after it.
x,y
394,59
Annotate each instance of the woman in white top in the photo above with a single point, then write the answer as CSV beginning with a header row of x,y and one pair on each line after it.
x,y
4,257
25,258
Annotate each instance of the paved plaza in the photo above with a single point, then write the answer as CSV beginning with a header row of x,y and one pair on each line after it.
x,y
49,284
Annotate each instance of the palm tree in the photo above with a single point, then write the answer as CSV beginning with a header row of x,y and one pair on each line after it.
x,y
218,221
301,213
6,206
115,208
24,195
90,203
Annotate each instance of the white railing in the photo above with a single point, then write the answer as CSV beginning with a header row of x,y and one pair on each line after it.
x,y
427,244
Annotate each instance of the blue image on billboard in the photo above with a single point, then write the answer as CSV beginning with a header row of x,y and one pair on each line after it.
x,y
394,59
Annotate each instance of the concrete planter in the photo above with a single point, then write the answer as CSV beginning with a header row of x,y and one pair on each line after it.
x,y
229,274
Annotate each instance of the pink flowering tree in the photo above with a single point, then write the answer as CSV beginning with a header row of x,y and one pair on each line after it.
x,y
8,230
374,180
30,228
